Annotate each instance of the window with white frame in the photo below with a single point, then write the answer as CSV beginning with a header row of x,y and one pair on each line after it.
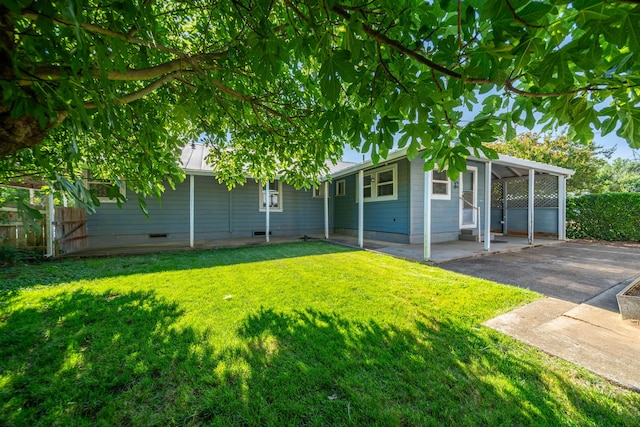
x,y
440,185
274,197
318,190
341,188
105,190
381,184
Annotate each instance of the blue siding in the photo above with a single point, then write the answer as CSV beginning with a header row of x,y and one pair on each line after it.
x,y
218,213
389,216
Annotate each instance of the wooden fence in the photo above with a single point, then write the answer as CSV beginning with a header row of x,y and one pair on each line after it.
x,y
13,232
71,230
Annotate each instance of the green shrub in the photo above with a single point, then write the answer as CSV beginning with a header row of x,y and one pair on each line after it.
x,y
608,216
8,255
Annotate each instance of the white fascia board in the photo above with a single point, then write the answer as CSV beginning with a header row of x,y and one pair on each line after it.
x,y
505,160
395,155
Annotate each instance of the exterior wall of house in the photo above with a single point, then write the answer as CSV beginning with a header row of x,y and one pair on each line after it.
x,y
383,220
218,214
445,214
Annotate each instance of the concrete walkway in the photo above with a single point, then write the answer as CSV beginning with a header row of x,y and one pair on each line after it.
x,y
591,335
579,321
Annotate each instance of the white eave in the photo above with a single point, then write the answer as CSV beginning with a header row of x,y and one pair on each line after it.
x,y
503,160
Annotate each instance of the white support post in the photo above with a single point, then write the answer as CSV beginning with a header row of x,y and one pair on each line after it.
x,y
192,212
326,210
51,220
531,210
487,207
267,199
361,209
505,208
428,177
562,207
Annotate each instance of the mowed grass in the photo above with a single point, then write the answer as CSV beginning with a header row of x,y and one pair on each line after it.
x,y
292,334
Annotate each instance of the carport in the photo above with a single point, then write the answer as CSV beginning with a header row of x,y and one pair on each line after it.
x,y
521,198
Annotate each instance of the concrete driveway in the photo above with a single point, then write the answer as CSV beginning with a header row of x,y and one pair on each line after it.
x,y
573,271
579,321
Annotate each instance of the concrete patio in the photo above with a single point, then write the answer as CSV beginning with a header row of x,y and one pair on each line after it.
x,y
440,252
445,251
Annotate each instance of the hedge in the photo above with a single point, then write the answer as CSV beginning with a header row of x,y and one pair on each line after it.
x,y
608,216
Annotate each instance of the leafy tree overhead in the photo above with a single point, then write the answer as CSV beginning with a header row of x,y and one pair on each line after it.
x,y
586,159
279,86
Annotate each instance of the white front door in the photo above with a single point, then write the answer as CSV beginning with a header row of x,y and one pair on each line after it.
x,y
469,198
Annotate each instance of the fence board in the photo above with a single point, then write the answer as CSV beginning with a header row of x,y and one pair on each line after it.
x,y
71,229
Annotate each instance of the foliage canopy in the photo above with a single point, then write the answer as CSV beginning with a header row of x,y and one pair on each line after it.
x,y
279,87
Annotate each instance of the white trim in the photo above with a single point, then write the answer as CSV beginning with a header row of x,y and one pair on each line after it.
x,y
473,169
267,210
361,208
487,206
440,196
317,191
531,207
341,184
427,215
562,208
373,186
191,210
261,197
326,209
502,160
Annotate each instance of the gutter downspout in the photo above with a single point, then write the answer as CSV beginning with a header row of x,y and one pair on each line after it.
x,y
326,210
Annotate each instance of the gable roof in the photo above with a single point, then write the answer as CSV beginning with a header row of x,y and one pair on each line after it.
x,y
193,160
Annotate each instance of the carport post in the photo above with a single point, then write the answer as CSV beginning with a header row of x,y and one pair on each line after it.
x,y
191,210
487,207
361,208
267,199
530,231
505,207
562,207
326,210
428,178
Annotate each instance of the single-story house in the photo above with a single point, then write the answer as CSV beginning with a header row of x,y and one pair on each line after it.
x,y
394,200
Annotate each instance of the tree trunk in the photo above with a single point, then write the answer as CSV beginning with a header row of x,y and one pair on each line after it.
x,y
18,132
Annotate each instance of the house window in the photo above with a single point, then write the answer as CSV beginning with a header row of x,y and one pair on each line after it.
x,y
341,188
104,190
318,190
381,184
274,197
440,186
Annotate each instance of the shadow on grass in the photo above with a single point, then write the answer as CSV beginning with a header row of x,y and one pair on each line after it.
x,y
82,359
55,272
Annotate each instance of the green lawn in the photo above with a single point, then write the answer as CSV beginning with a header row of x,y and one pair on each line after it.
x,y
293,334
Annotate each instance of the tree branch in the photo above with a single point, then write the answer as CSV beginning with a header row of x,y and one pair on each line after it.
x,y
133,96
52,72
381,38
520,20
29,14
